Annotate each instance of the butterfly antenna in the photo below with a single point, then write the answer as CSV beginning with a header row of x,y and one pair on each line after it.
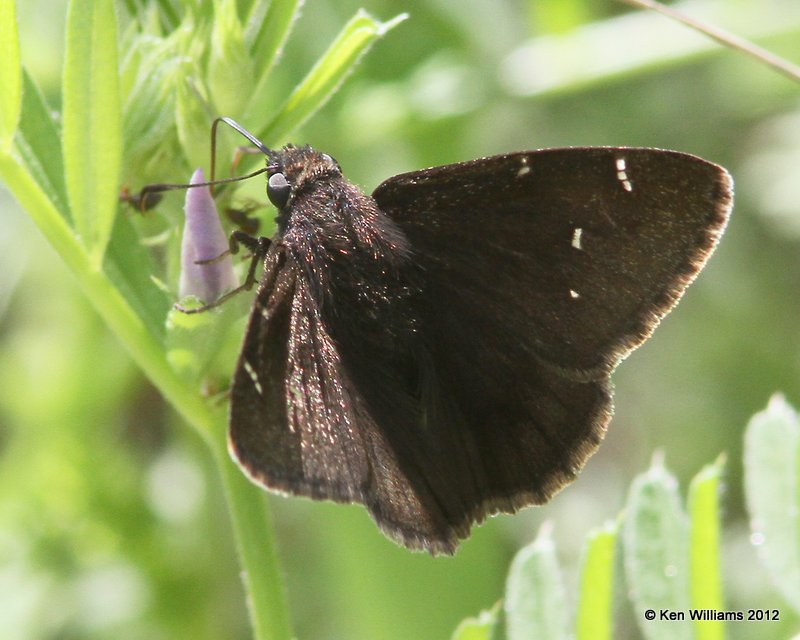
x,y
147,192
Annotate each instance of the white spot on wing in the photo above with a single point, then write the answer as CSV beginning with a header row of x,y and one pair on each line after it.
x,y
253,376
524,169
622,174
574,294
576,238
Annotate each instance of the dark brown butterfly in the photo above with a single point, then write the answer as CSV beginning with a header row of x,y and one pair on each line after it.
x,y
440,351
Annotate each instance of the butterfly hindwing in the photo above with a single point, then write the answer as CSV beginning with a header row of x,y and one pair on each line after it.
x,y
300,423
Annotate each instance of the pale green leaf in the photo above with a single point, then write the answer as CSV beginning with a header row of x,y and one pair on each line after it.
x,y
656,547
92,130
772,487
482,627
230,69
10,74
535,603
267,30
324,78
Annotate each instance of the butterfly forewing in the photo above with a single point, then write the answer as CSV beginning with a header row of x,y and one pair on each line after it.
x,y
579,252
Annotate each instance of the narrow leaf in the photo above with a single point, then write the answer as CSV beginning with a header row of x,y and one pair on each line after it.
x,y
535,602
329,72
191,117
230,69
597,585
92,131
772,487
10,74
704,549
38,141
270,28
129,265
169,15
152,71
270,31
657,557
480,628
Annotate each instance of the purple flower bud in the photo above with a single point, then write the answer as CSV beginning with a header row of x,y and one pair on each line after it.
x,y
204,239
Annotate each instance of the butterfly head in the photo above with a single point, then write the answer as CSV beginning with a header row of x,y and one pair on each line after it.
x,y
293,170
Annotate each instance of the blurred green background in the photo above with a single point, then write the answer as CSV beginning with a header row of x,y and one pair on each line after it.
x,y
112,520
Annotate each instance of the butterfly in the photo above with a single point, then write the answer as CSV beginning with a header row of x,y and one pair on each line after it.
x,y
440,351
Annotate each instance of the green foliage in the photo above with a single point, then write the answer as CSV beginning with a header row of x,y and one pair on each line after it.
x,y
10,75
487,626
656,542
92,136
705,548
535,601
672,563
595,603
772,474
77,209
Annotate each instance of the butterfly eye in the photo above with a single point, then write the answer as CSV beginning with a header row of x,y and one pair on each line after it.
x,y
278,190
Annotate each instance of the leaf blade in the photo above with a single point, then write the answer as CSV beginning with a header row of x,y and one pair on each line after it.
x,y
595,601
772,490
481,627
92,137
704,548
38,141
535,602
656,554
10,74
328,73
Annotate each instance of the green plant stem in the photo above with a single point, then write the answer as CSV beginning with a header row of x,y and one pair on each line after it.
x,y
246,503
112,307
254,541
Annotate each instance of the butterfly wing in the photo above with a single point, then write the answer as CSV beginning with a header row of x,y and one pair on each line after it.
x,y
578,251
300,423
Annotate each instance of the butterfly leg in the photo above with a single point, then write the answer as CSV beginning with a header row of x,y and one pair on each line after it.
x,y
258,248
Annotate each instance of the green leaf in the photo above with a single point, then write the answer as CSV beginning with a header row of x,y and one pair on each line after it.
x,y
230,70
39,143
10,74
535,602
193,121
152,69
594,620
481,628
322,81
704,548
655,538
772,488
194,341
558,16
267,30
92,130
129,265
